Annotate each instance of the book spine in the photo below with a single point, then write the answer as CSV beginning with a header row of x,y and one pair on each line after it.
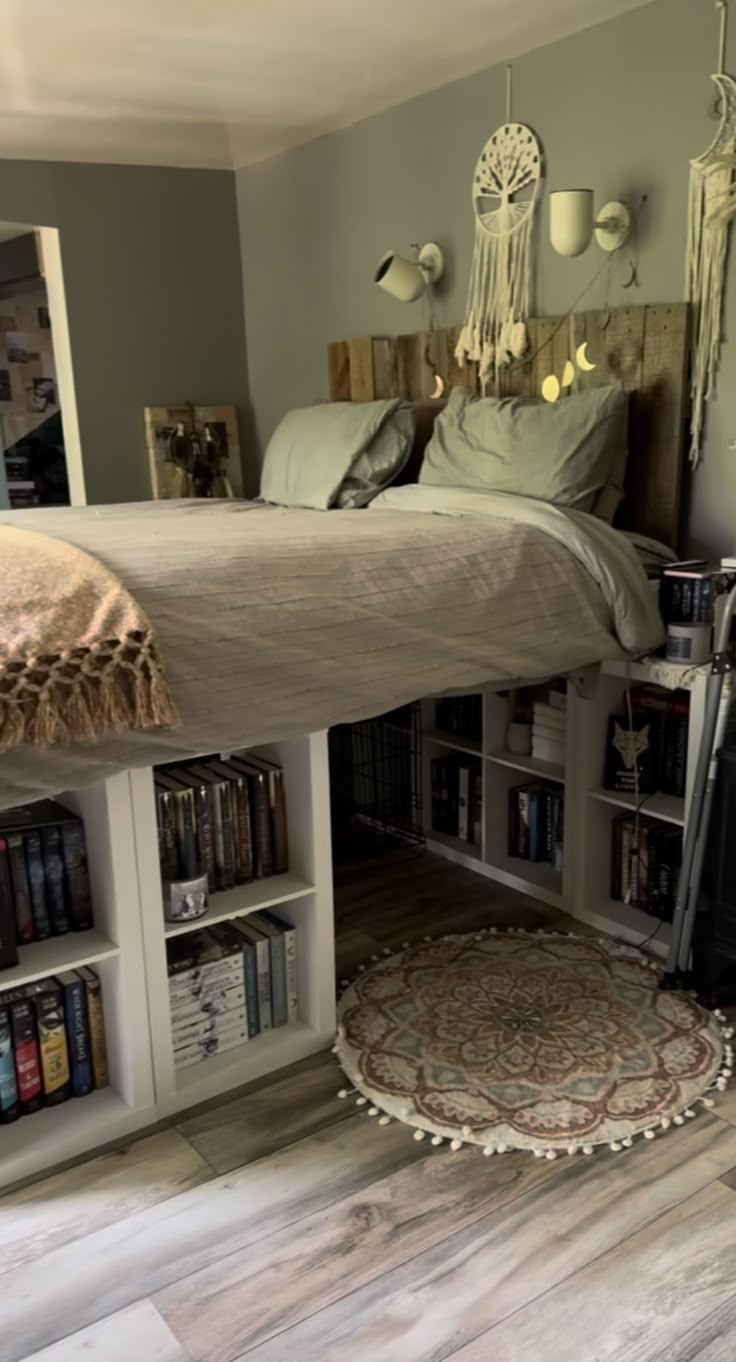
x,y
535,828
96,1020
225,796
186,835
642,869
166,819
9,1104
207,1048
243,831
250,971
37,884
205,835
262,825
74,852
27,1058
523,849
627,832
463,802
78,1031
263,967
477,809
214,974
209,1005
25,929
279,827
56,897
616,831
559,833
292,974
8,928
279,1005
201,1028
52,1041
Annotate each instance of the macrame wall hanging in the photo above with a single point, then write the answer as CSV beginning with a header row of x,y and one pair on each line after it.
x,y
712,205
506,185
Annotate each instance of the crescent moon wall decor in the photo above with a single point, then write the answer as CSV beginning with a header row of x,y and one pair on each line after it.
x,y
581,358
711,207
506,184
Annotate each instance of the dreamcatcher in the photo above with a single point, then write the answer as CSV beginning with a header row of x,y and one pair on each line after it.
x,y
505,188
711,207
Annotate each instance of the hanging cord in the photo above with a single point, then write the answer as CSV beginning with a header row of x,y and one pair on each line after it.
x,y
722,5
509,70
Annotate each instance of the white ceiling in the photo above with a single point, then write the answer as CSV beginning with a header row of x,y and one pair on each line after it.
x,y
229,82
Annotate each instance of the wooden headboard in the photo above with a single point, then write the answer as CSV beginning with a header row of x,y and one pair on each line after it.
x,y
643,348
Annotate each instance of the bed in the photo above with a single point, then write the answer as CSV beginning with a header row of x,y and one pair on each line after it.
x,y
274,622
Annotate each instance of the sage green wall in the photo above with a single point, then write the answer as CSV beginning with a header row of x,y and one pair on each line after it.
x,y
620,107
152,275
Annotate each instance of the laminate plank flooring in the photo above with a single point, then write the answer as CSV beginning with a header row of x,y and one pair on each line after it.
x,y
137,1334
285,1226
72,1204
447,1295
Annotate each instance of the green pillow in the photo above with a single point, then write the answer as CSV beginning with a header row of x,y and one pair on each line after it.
x,y
313,449
559,452
380,464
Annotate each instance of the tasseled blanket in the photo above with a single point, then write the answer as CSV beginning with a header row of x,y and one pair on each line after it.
x,y
78,657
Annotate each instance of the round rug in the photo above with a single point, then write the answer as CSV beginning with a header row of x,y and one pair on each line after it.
x,y
527,1041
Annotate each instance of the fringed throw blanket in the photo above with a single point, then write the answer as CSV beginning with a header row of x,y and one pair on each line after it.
x,y
78,656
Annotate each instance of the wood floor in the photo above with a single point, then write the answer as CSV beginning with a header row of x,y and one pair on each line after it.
x,y
285,1226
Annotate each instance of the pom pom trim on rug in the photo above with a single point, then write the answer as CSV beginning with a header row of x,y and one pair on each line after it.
x,y
387,1108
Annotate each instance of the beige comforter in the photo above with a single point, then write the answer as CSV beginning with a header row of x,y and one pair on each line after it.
x,y
277,622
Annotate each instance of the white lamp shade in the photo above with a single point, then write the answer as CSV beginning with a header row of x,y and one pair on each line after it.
x,y
403,279
571,220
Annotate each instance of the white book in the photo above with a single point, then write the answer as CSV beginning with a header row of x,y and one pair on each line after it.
x,y
209,1004
552,752
206,1049
548,732
220,974
548,714
557,699
221,1025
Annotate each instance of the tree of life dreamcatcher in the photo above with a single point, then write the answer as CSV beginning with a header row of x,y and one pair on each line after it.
x,y
505,189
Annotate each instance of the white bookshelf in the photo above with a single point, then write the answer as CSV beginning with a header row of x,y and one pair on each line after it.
x,y
582,888
127,947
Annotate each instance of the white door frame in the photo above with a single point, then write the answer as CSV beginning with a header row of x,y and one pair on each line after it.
x,y
50,255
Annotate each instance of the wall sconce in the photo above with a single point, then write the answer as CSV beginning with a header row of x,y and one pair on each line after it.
x,y
406,279
572,223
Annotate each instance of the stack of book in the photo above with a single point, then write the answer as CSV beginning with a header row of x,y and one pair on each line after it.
x,y
457,797
647,751
52,1043
688,592
22,489
44,881
461,715
645,863
225,819
549,720
536,822
230,983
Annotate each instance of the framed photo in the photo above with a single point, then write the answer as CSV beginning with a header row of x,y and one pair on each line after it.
x,y
193,452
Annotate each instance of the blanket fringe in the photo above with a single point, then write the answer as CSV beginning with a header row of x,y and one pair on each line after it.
x,y
83,698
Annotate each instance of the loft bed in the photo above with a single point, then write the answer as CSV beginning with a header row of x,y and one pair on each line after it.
x,y
276,622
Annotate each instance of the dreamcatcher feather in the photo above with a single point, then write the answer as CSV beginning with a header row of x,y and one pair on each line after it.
x,y
505,188
712,205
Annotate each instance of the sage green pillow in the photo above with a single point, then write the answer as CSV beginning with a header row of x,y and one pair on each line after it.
x,y
559,452
380,464
313,449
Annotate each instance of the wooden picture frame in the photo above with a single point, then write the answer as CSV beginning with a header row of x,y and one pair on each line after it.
x,y
215,471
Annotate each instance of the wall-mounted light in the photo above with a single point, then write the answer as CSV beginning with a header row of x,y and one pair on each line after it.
x,y
406,279
572,222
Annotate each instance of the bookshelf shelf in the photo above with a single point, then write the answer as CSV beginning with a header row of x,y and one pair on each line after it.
x,y
471,747
544,770
458,845
55,1134
244,899
668,808
56,954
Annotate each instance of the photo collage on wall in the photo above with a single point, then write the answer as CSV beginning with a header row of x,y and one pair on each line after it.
x,y
28,390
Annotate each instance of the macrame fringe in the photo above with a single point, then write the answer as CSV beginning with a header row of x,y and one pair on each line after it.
x,y
127,693
498,300
550,1152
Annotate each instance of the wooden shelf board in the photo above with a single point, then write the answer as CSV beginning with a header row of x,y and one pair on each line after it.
x,y
641,671
668,808
244,899
544,770
57,953
533,874
51,1136
263,1054
472,747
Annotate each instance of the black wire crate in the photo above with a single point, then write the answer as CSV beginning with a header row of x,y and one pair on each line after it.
x,y
376,782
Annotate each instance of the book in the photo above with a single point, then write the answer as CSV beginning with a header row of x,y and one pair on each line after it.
x,y
277,809
628,763
616,855
263,971
241,812
223,824
37,883
250,976
550,734
204,819
263,856
74,854
627,865
291,961
9,1104
56,891
166,825
277,953
688,590
96,1022
551,715
53,1046
206,1048
476,808
216,1024
24,925
8,929
552,752
26,1055
74,991
463,802
209,1004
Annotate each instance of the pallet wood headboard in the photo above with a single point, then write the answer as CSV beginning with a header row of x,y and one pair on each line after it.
x,y
643,348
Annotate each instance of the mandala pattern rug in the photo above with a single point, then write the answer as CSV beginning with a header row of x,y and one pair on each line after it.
x,y
527,1041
